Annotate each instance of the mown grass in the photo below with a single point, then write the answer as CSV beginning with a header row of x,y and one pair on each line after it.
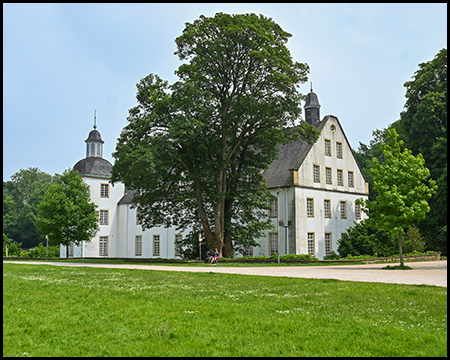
x,y
66,311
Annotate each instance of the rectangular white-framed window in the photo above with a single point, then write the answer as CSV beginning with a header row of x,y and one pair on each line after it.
x,y
328,243
104,217
248,250
327,147
327,208
273,244
138,221
343,209
71,248
156,245
339,154
310,207
92,149
351,179
340,177
274,207
99,150
103,246
357,211
138,245
178,242
104,190
311,243
328,176
316,173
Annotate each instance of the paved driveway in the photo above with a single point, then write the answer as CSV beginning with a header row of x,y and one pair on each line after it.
x,y
426,272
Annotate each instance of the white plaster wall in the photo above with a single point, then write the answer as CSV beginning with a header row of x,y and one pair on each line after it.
x,y
317,156
128,229
319,224
286,236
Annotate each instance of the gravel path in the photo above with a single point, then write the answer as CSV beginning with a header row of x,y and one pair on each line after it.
x,y
426,272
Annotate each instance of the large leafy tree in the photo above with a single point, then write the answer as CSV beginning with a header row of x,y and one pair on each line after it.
x,y
66,213
9,213
199,145
21,196
425,123
403,187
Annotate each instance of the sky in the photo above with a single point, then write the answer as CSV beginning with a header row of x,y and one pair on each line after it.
x,y
62,62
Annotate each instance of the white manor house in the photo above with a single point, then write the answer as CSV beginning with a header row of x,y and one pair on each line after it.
x,y
315,187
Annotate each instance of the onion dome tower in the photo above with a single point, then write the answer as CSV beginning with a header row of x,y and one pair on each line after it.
x,y
94,165
312,108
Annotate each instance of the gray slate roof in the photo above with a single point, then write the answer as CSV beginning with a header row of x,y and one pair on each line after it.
x,y
94,136
95,166
291,156
312,100
127,198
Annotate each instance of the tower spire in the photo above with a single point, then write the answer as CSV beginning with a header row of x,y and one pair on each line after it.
x,y
312,108
95,119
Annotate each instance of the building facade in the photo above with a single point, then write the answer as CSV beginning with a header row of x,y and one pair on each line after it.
x,y
315,185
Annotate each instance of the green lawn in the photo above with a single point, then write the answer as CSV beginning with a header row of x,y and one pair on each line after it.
x,y
67,311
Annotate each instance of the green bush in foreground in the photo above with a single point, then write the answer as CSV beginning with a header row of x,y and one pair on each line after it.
x,y
71,311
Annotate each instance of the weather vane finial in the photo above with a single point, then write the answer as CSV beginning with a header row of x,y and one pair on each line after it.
x,y
311,86
95,119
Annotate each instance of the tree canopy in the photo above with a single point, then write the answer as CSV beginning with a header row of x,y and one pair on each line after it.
x,y
66,213
425,123
423,128
21,197
199,145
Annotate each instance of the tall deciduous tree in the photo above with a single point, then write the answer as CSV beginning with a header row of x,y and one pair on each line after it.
x,y
26,190
66,214
425,123
403,187
201,143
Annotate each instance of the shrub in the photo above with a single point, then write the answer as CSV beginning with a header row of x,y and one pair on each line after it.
x,y
413,240
363,240
40,251
331,256
299,257
14,247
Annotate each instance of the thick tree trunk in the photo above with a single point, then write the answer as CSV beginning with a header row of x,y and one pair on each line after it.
x,y
219,209
227,241
400,246
218,222
209,235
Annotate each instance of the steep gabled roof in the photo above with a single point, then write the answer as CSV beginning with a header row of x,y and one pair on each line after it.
x,y
291,156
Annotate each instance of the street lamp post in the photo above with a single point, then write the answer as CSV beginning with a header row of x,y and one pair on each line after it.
x,y
200,247
281,222
46,248
278,225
